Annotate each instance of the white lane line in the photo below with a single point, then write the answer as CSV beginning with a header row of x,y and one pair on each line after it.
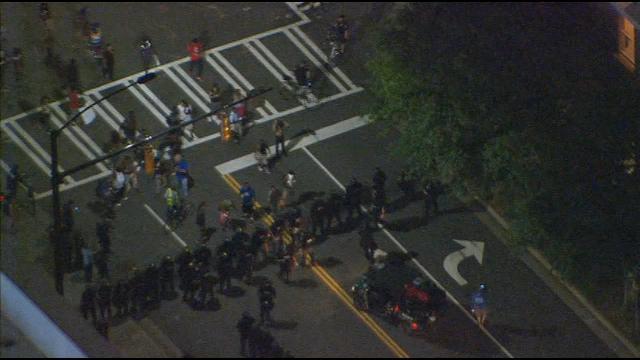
x,y
83,135
182,78
270,107
101,113
267,65
16,140
294,8
273,59
166,227
230,81
416,262
66,187
320,135
24,148
149,106
244,82
315,61
67,132
145,89
322,56
187,90
34,144
118,116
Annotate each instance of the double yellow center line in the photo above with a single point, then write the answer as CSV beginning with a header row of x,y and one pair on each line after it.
x,y
331,283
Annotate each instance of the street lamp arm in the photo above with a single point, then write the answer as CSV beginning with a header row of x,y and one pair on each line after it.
x,y
148,139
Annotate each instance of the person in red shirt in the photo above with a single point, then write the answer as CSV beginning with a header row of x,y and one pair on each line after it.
x,y
74,100
196,52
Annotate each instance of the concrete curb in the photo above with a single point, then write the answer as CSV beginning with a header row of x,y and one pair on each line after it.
x,y
537,255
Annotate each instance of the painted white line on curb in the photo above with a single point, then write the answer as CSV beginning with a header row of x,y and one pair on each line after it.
x,y
166,227
427,273
65,187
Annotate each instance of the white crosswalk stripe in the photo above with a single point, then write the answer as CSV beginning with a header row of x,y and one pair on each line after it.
x,y
266,64
315,61
230,80
323,56
57,112
194,91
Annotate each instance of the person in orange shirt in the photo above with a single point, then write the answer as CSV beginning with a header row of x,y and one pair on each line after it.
x,y
196,50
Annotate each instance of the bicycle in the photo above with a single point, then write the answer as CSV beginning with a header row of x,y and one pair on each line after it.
x,y
178,214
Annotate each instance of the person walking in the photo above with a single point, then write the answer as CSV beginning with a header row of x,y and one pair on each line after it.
x,y
109,63
196,49
185,112
278,130
130,126
262,156
289,182
244,326
148,54
479,305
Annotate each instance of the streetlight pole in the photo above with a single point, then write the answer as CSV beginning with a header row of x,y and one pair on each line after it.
x,y
56,177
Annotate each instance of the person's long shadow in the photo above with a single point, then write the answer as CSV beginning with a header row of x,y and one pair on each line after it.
x,y
303,283
283,325
307,196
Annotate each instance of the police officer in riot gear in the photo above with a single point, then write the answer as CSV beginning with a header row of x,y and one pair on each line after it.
x,y
266,294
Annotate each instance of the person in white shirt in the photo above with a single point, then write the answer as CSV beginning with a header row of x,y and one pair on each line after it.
x,y
184,114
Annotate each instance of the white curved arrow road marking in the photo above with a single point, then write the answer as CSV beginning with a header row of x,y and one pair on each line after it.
x,y
451,262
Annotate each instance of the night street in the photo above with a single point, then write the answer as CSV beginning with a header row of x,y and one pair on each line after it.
x,y
249,47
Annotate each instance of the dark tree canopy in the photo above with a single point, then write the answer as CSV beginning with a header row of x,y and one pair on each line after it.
x,y
523,104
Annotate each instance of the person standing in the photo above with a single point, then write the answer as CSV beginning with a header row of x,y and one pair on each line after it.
x,y
182,174
318,214
479,305
215,97
109,62
201,220
247,195
196,49
119,298
88,304
278,130
87,263
167,277
103,232
224,267
289,182
184,114
104,299
74,101
275,195
379,180
334,210
148,54
266,294
130,126
354,197
102,264
244,326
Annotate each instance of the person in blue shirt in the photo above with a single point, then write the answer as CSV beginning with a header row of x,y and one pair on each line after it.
x,y
182,174
247,195
479,305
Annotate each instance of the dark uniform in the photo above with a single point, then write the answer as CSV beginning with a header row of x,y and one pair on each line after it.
x,y
104,299
101,260
224,268
379,180
137,292
318,215
202,256
206,289
152,284
120,300
88,304
103,232
244,328
189,277
266,294
183,260
334,209
167,277
354,197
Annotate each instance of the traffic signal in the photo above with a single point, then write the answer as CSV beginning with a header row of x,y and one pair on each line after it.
x,y
227,134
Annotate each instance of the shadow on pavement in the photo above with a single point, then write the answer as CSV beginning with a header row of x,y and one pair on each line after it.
x,y
303,283
234,292
329,262
283,325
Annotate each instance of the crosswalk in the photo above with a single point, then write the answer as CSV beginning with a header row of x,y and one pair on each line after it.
x,y
216,60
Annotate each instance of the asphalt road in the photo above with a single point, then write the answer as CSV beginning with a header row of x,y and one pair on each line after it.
x,y
527,319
